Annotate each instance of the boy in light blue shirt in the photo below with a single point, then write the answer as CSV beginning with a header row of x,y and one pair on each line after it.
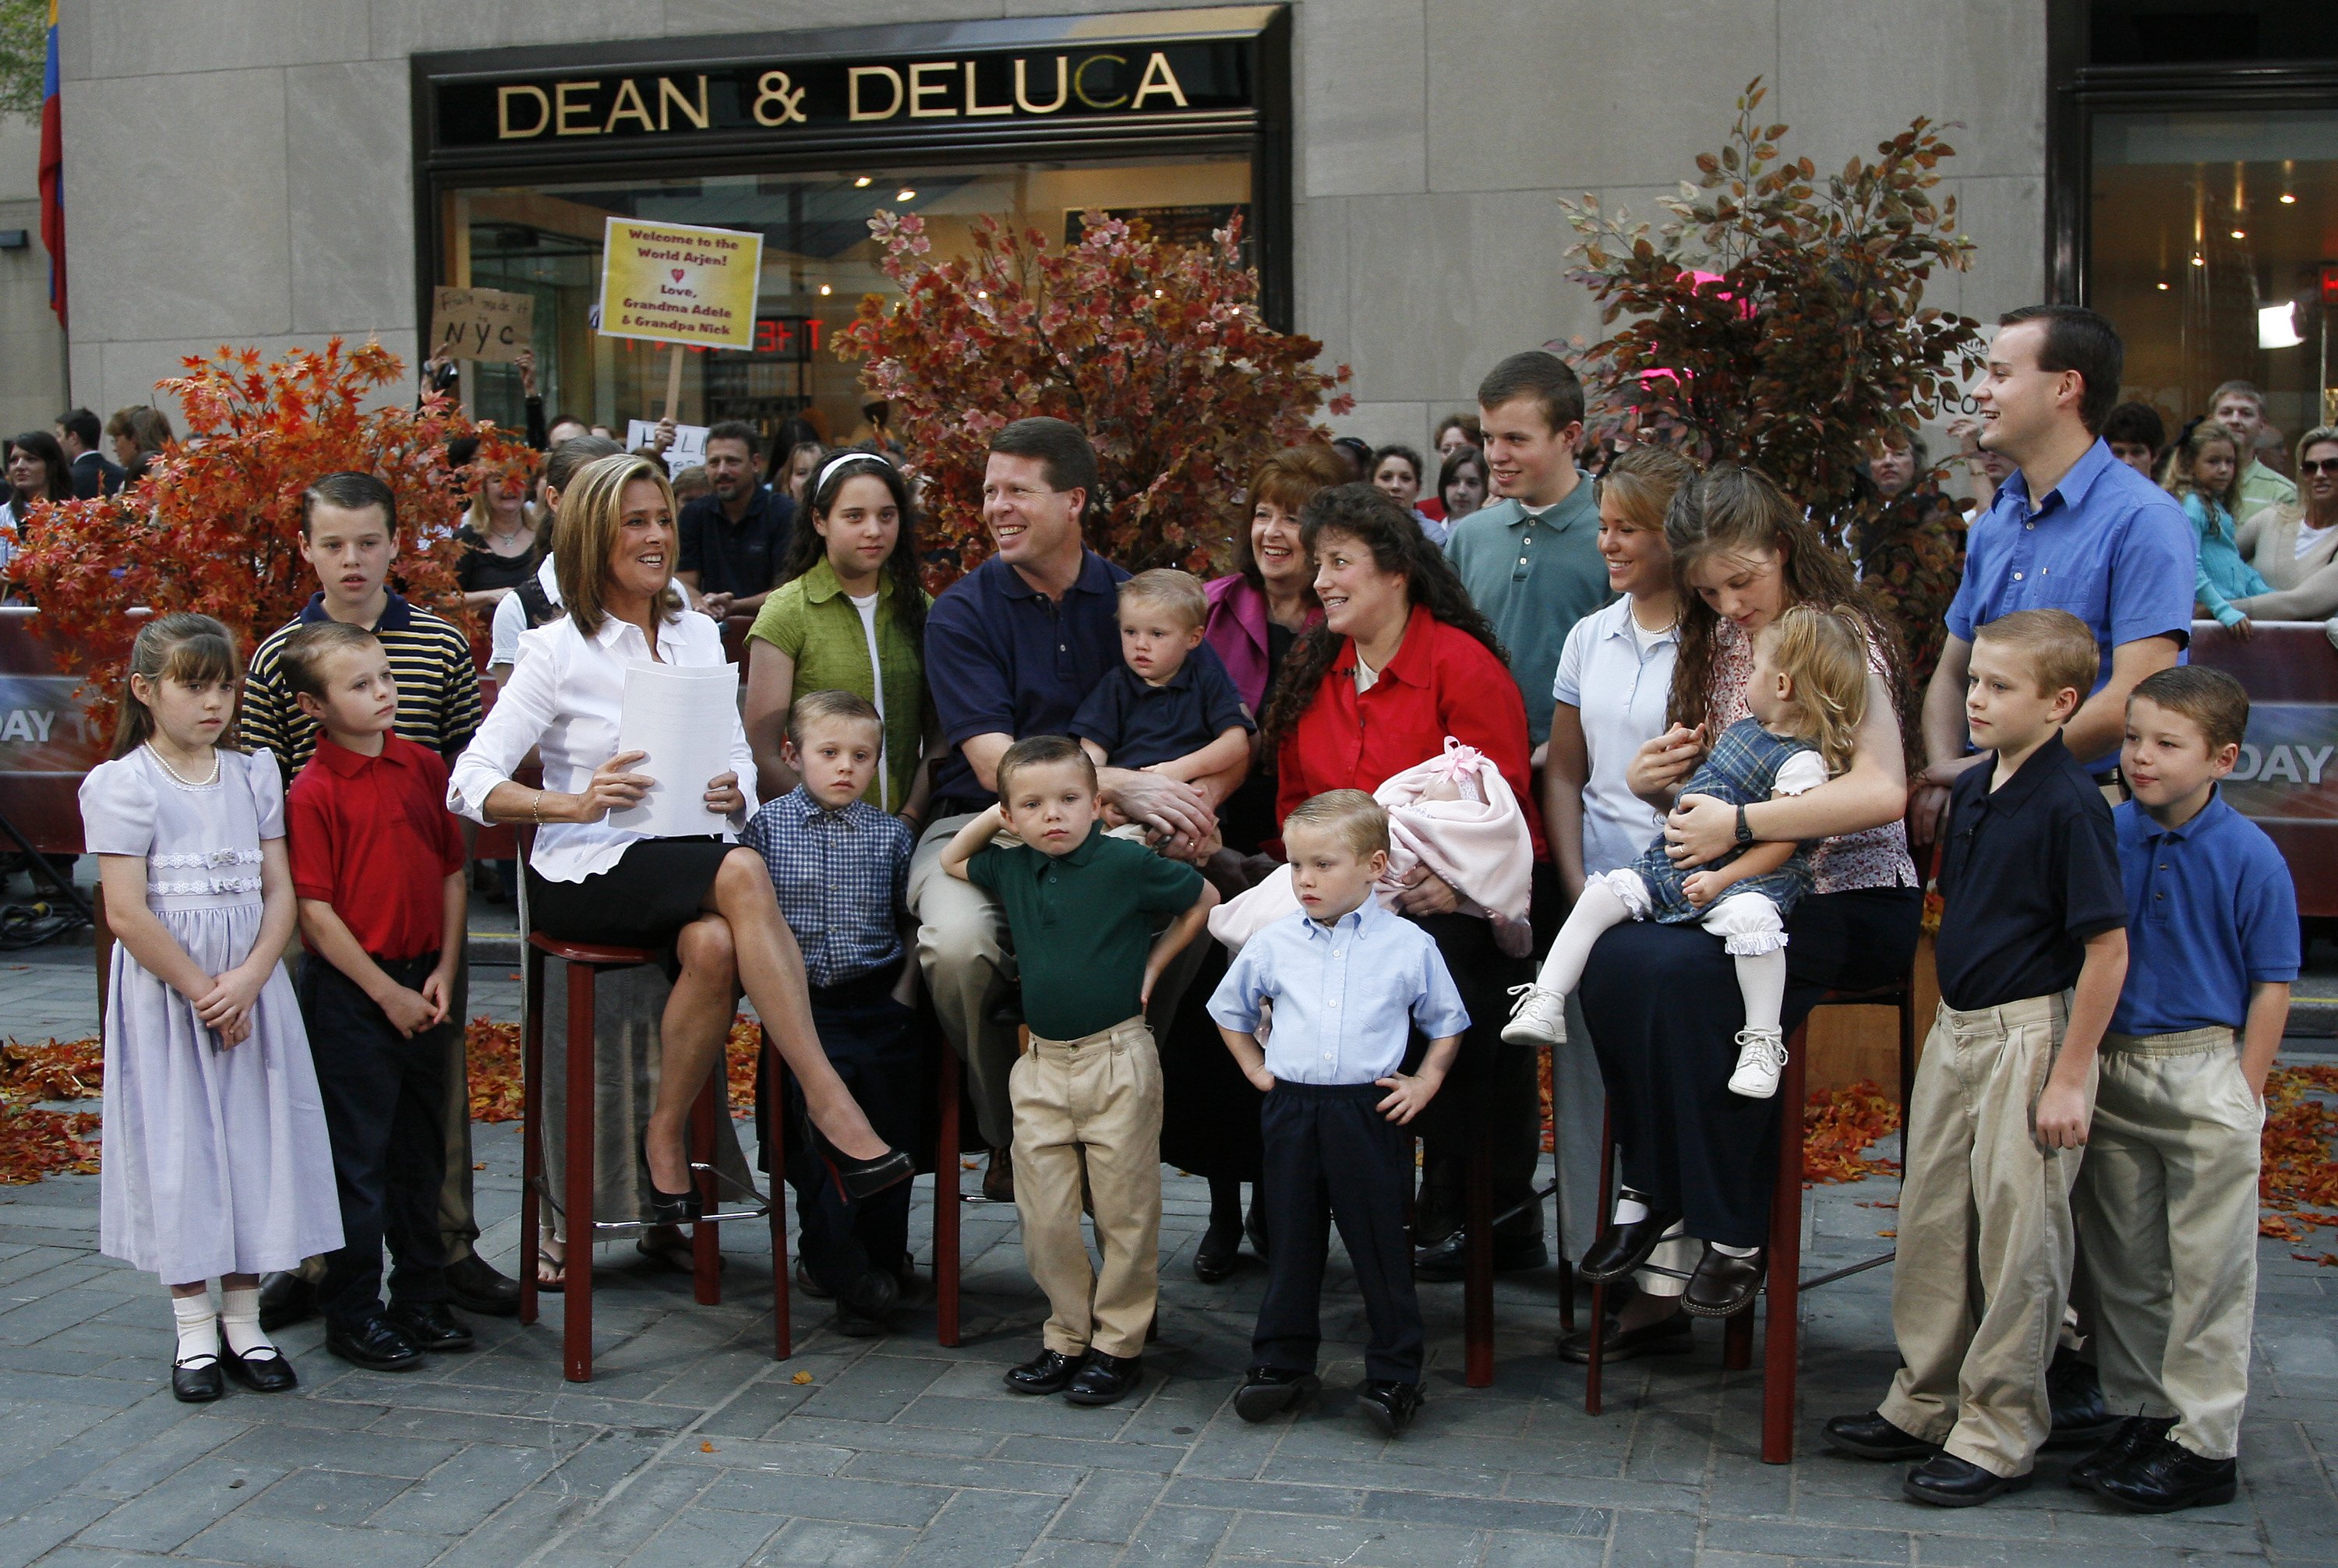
x,y
1339,989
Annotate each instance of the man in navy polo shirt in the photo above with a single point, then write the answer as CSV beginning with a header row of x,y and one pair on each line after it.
x,y
2101,541
1012,650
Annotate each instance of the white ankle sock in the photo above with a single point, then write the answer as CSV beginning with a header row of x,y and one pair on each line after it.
x,y
1630,1210
198,1328
1734,1251
239,1321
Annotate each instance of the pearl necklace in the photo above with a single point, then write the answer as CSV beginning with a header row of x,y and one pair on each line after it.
x,y
173,772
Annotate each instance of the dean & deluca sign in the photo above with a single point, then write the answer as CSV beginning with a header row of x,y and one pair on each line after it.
x,y
1108,80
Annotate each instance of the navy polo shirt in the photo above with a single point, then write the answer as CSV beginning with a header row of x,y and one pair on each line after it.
x,y
2210,912
2028,873
1004,659
742,558
1138,723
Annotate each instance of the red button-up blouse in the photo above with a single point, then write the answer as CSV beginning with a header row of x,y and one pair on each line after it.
x,y
1442,681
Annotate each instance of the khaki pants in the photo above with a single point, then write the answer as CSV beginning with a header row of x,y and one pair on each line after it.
x,y
1091,1107
1985,1237
2166,1208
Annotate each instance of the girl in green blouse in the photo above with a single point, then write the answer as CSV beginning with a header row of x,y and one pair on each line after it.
x,y
849,615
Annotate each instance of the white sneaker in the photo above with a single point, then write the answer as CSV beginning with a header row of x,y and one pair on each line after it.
x,y
1539,1018
1760,1056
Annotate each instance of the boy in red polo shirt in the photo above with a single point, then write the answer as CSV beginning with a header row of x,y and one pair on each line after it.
x,y
377,866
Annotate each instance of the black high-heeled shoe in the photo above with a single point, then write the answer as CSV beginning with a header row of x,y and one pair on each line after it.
x,y
860,1179
682,1208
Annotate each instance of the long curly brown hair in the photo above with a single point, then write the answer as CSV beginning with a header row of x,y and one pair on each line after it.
x,y
1375,521
1732,511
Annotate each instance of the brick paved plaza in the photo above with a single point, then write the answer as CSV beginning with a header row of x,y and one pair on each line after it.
x,y
692,1449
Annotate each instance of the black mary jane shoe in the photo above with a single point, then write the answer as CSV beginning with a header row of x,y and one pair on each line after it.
x,y
1670,1336
263,1371
1621,1249
1105,1379
858,1179
432,1325
1390,1407
1214,1258
2166,1476
1048,1372
2136,1435
665,1208
1946,1481
1268,1391
1723,1286
197,1380
2074,1390
1870,1437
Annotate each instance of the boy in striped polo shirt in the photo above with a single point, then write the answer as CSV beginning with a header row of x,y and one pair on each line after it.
x,y
349,534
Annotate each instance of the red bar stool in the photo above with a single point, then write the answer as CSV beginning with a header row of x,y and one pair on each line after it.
x,y
1782,1283
1478,1266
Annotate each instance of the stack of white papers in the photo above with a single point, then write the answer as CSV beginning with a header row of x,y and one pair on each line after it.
x,y
684,718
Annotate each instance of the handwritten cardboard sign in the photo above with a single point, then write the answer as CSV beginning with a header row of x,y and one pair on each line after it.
x,y
485,324
689,448
671,283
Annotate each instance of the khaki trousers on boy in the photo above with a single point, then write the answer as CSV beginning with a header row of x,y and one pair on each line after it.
x,y
2166,1207
1091,1107
1985,1237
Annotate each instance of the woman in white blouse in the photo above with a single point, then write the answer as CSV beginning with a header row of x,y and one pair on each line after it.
x,y
590,881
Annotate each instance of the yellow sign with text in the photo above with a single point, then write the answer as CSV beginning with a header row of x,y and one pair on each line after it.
x,y
675,284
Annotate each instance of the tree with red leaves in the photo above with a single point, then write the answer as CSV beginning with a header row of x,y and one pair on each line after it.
x,y
1156,350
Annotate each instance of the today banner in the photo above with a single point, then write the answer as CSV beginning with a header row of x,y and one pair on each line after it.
x,y
671,283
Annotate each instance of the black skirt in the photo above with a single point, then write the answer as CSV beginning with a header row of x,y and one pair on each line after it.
x,y
657,886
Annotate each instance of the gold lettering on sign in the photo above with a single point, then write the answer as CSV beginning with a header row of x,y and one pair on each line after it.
x,y
628,106
920,90
853,80
1160,79
778,101
567,111
973,104
669,97
505,129
1063,88
1080,81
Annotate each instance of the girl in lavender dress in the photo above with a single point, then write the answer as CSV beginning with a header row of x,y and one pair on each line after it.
x,y
217,1163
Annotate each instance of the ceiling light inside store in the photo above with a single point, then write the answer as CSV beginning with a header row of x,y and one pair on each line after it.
x,y
862,183
2199,261
2240,234
905,194
2277,327
2162,287
2288,199
824,288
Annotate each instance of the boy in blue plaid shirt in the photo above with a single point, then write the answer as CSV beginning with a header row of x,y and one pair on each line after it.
x,y
841,867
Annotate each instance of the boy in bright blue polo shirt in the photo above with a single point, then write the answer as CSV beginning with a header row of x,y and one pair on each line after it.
x,y
2167,1201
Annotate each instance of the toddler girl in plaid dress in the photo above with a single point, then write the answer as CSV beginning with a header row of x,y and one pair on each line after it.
x,y
1806,696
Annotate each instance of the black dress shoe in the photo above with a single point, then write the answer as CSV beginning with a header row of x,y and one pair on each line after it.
x,y
1048,1372
1621,1249
2074,1390
809,1286
2167,1477
871,1298
999,1178
285,1299
1443,1262
1723,1286
1388,1405
478,1285
667,1207
376,1342
1870,1436
1105,1379
262,1373
1946,1481
858,1178
1270,1390
1672,1335
432,1325
2136,1435
197,1381
1214,1258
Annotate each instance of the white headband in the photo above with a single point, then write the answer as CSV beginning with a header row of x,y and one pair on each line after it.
x,y
838,461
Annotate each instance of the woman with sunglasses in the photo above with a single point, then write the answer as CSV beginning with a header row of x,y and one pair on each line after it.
x,y
2294,544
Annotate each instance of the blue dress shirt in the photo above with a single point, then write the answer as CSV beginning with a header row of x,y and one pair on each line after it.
x,y
1346,996
843,878
2210,911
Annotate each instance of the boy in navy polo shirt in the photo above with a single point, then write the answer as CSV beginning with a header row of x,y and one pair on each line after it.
x,y
1082,908
378,866
2031,951
1169,707
2167,1199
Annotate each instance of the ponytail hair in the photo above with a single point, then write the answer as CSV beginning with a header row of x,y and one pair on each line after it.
x,y
181,646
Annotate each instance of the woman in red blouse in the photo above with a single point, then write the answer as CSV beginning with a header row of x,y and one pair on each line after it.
x,y
1402,660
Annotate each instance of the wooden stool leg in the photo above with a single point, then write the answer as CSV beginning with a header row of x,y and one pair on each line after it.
x,y
1591,1397
1477,1271
576,1309
775,1155
531,1131
1737,1339
706,1237
946,1197
1783,1287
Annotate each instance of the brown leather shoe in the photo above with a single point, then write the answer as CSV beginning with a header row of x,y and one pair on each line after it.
x,y
998,1177
1724,1285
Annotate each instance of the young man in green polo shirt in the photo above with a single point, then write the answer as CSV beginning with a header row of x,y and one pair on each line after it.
x,y
1082,907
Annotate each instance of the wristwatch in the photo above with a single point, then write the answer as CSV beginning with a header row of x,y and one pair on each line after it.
x,y
1745,833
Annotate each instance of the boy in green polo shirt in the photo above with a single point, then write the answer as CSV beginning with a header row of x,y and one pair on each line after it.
x,y
1086,1092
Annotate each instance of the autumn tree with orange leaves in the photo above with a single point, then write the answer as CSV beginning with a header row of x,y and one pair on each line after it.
x,y
1156,350
215,524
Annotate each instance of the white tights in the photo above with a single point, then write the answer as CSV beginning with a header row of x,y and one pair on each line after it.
x,y
1748,923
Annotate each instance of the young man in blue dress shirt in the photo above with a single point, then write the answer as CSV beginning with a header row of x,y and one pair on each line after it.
x,y
1347,982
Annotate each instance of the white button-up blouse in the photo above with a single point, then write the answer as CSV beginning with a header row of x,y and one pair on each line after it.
x,y
565,697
